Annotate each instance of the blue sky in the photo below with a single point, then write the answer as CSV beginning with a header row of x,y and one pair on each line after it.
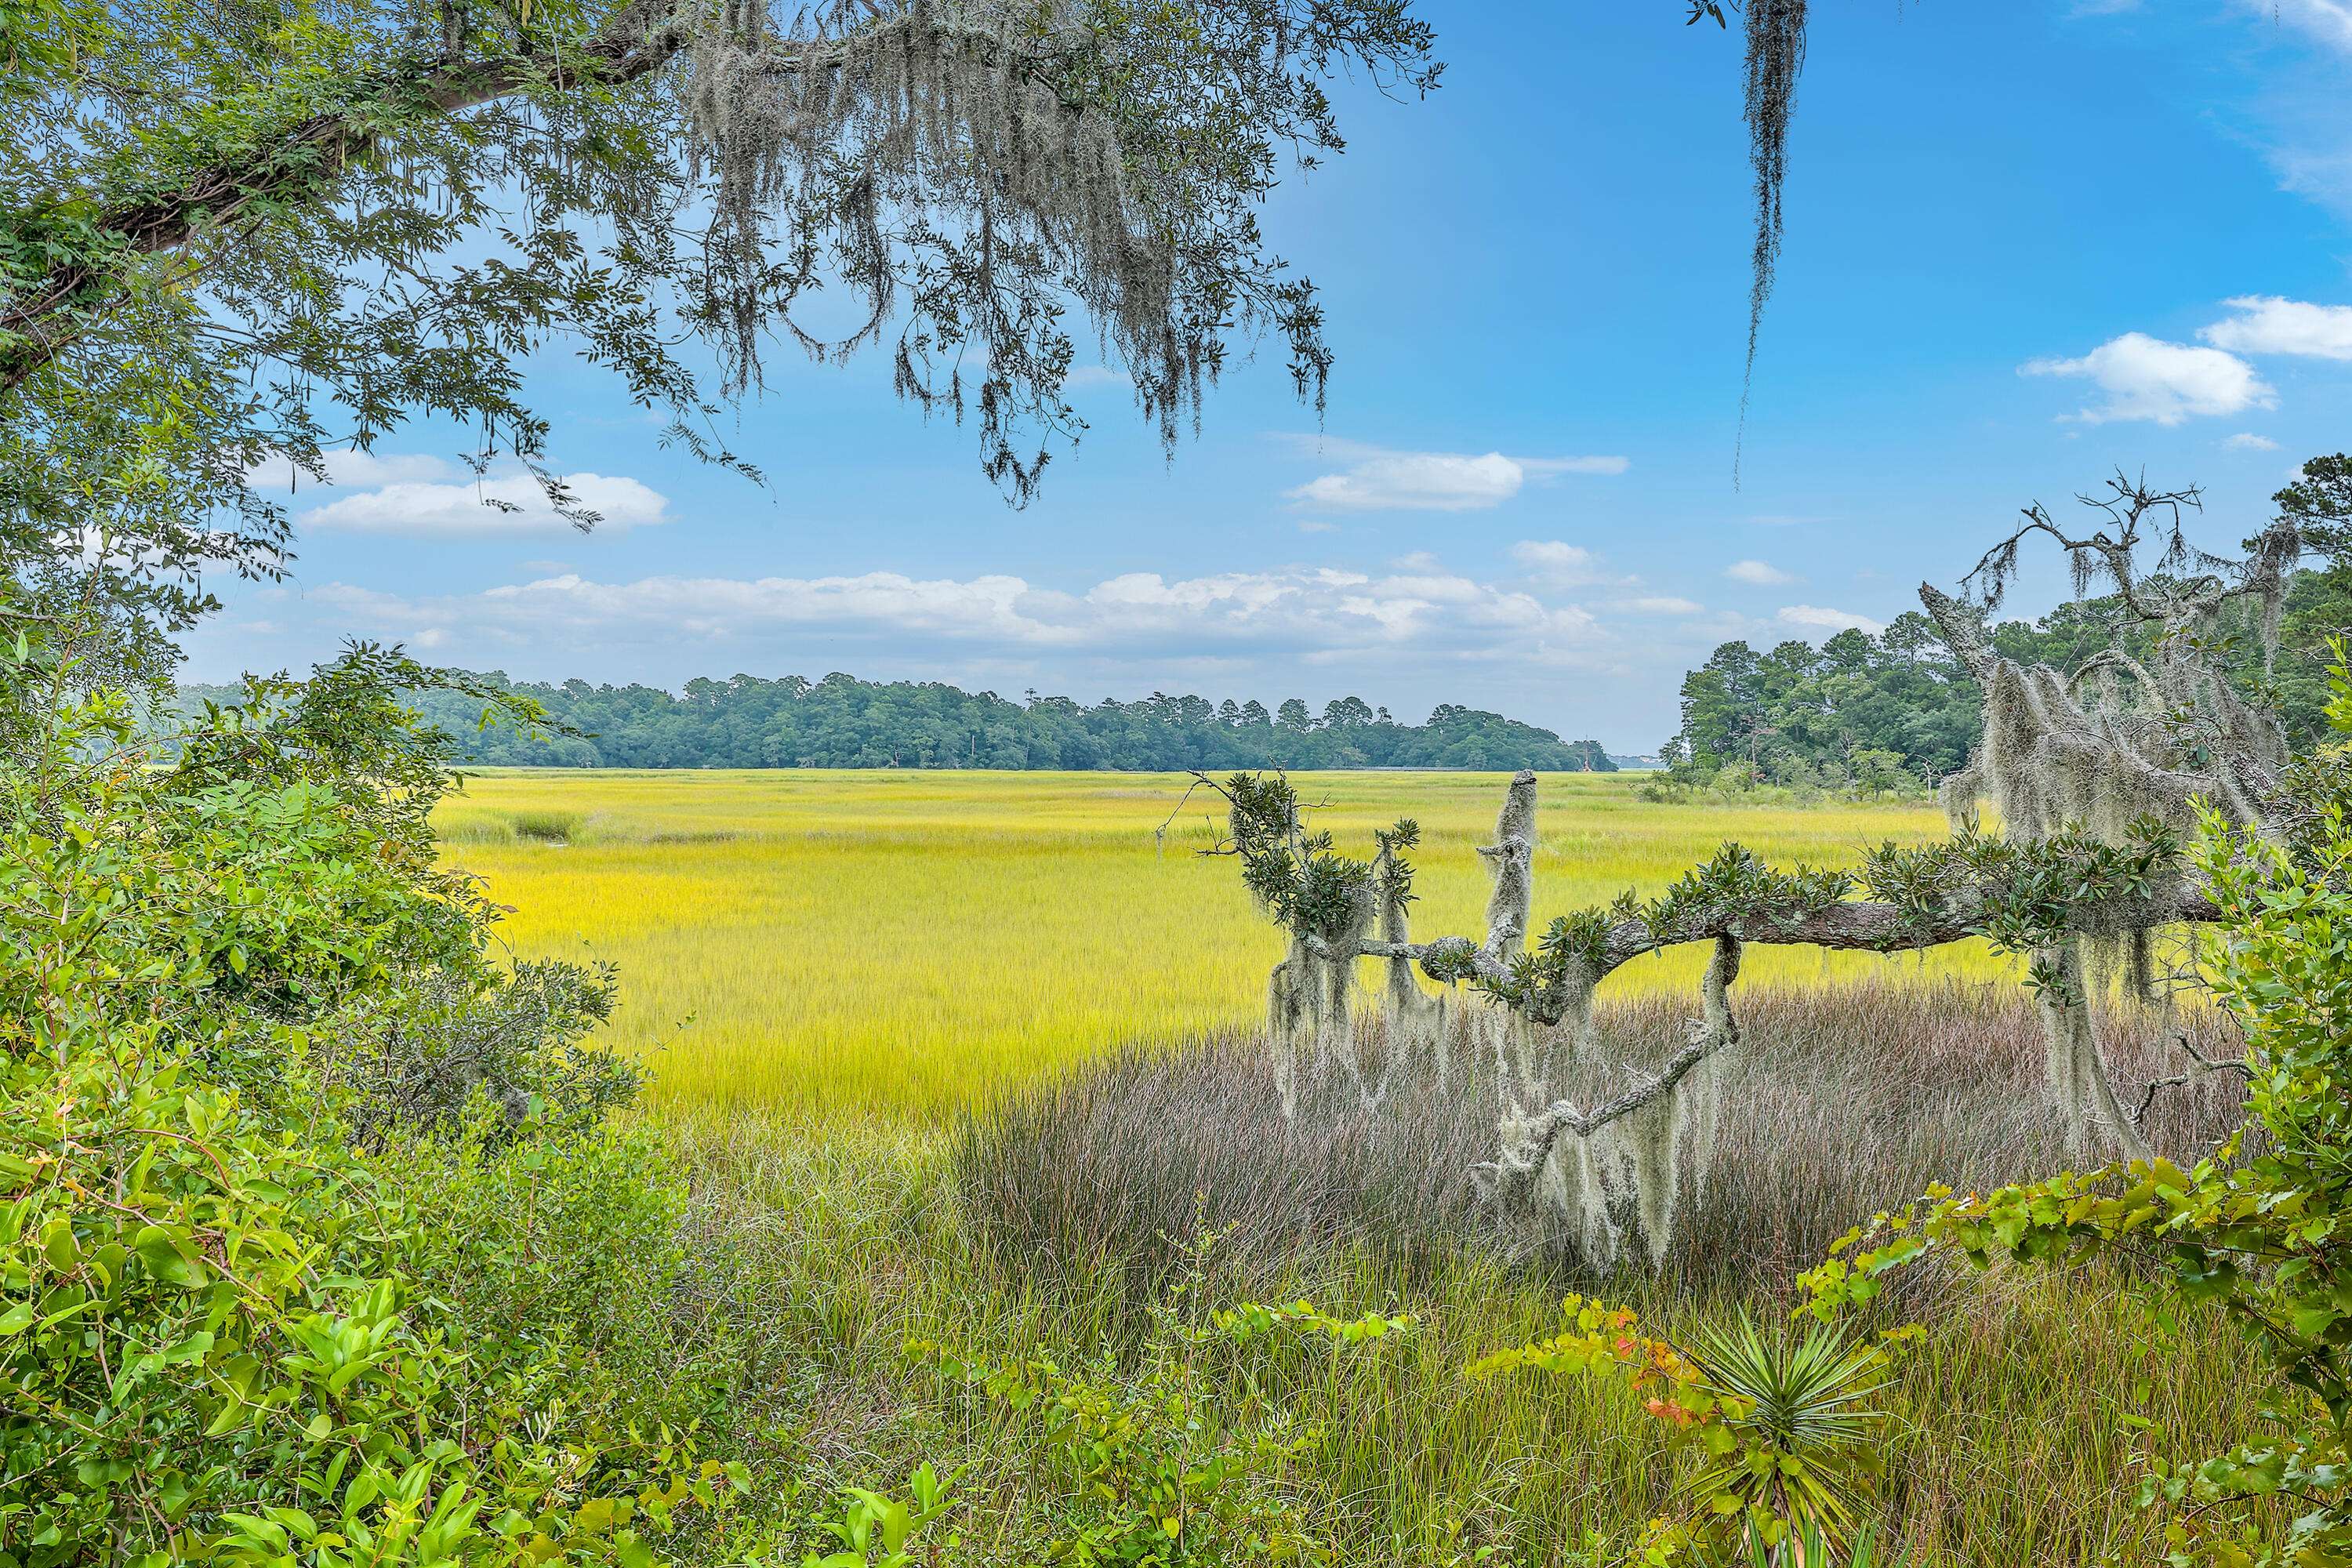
x,y
2027,243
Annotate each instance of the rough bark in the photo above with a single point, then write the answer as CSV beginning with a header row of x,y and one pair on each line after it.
x,y
1859,926
1510,865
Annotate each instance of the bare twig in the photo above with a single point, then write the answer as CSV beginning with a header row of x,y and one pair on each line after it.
x,y
2204,1064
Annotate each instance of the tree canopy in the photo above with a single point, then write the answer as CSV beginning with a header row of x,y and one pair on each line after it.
x,y
234,239
841,722
1799,714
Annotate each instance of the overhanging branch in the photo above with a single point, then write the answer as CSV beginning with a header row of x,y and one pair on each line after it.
x,y
305,163
1861,926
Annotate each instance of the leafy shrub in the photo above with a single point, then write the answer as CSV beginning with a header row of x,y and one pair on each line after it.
x,y
211,1341
557,1253
1152,1465
880,1531
415,1057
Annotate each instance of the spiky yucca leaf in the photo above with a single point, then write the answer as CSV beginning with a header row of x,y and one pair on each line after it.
x,y
1803,1413
1812,1549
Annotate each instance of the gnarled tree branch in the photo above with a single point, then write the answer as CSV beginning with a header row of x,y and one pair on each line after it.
x,y
1860,926
305,163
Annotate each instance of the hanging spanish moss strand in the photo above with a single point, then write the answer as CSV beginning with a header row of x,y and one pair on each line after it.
x,y
937,135
1310,995
1701,1094
1611,1176
963,172
2077,1073
1414,1022
2140,977
1776,57
1290,1027
2119,745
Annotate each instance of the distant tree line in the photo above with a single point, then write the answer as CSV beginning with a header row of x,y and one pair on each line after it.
x,y
1895,709
844,722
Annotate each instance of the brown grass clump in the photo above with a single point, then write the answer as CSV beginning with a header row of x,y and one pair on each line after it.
x,y
1838,1103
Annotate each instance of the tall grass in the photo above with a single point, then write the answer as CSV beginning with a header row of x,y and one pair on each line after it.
x,y
543,827
1838,1103
910,944
2023,1418
830,973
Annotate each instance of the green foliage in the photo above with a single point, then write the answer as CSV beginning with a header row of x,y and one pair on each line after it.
x,y
442,1045
2024,898
1303,884
1783,1426
1809,1548
1833,716
233,241
1877,771
1800,1411
1734,883
1154,1466
1805,716
879,1531
217,1337
2260,1228
840,721
2319,502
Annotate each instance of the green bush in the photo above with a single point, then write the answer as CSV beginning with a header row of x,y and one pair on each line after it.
x,y
547,827
224,1330
1151,1464
415,1058
555,1253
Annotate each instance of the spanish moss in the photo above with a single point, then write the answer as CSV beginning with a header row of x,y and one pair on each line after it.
x,y
1776,57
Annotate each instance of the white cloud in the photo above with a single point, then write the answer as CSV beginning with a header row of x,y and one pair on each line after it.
x,y
1547,468
2247,441
1665,607
2266,324
1761,573
1417,481
1382,480
1557,562
2323,174
506,505
2328,21
1815,616
2147,378
1422,611
1087,376
347,468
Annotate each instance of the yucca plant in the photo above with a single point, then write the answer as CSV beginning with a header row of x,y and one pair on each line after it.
x,y
1812,1549
1800,1415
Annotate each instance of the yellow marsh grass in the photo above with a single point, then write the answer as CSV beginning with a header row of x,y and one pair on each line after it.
x,y
904,942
